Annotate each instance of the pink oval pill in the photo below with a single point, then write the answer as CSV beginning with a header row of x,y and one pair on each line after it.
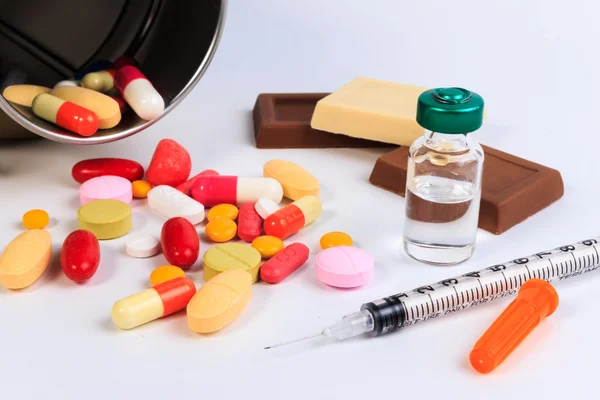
x,y
344,266
105,187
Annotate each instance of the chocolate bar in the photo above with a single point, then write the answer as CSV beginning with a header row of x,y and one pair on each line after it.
x,y
513,189
282,121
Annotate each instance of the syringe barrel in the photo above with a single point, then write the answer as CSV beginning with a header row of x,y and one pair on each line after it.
x,y
495,282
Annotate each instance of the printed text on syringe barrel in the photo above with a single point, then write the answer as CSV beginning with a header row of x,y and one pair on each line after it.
x,y
451,295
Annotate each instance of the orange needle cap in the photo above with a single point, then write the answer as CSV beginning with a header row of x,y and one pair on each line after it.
x,y
536,300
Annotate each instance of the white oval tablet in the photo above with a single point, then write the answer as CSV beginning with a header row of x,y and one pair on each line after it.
x,y
170,203
142,245
265,207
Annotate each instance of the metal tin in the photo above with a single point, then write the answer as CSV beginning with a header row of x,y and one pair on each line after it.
x,y
174,41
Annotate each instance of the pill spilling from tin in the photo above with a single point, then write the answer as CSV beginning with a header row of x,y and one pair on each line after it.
x,y
95,98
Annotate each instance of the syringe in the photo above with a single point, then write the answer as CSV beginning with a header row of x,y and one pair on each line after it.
x,y
455,294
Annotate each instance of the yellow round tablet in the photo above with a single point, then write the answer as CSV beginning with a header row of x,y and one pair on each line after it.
x,y
165,273
228,211
267,245
333,239
229,256
221,230
35,219
106,219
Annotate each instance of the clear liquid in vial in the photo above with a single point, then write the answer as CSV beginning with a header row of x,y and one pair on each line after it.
x,y
441,219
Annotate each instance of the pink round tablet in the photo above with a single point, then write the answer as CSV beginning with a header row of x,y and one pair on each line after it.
x,y
345,266
105,187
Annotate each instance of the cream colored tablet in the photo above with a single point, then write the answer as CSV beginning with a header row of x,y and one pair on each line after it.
x,y
295,180
25,259
219,301
23,95
106,108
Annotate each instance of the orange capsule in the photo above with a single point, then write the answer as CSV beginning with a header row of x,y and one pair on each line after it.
x,y
536,300
65,114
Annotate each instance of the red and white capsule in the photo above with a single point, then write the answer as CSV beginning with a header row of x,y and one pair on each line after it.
x,y
65,114
223,189
139,93
148,305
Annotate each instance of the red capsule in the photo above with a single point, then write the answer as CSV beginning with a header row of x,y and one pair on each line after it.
x,y
186,187
94,167
213,190
80,255
284,263
180,242
249,223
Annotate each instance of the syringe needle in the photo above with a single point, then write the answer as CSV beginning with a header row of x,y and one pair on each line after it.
x,y
294,341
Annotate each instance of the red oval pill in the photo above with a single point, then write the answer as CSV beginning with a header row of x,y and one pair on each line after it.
x,y
180,242
94,167
80,255
249,223
284,263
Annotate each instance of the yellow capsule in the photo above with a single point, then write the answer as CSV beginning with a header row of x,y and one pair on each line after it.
x,y
36,219
228,211
165,273
267,246
333,239
140,189
101,81
221,230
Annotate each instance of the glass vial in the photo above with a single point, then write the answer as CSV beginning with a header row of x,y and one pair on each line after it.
x,y
443,184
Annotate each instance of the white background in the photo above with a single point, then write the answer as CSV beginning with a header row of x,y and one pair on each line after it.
x,y
535,63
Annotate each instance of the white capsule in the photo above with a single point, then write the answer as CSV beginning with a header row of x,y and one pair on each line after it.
x,y
139,93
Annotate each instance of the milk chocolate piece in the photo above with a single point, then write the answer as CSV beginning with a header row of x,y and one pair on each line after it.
x,y
513,189
282,121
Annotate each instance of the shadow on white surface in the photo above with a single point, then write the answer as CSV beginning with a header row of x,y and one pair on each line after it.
x,y
54,270
53,222
105,324
138,221
74,201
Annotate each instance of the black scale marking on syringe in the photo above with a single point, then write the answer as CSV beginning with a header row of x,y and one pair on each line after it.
x,y
455,294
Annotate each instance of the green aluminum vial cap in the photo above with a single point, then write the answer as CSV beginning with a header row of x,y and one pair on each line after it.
x,y
450,110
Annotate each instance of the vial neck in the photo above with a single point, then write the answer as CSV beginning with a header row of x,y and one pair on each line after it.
x,y
445,142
